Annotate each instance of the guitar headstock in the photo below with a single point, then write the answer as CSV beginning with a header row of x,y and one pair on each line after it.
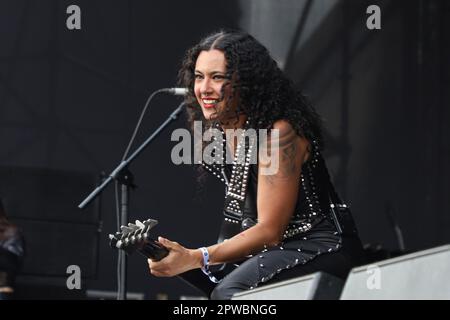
x,y
137,237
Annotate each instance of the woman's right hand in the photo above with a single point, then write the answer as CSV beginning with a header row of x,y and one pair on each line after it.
x,y
179,260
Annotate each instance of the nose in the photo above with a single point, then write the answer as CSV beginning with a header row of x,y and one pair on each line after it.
x,y
205,88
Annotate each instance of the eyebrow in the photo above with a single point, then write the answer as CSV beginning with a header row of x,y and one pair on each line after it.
x,y
211,73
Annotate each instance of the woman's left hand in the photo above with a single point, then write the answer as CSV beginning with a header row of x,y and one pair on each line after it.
x,y
179,260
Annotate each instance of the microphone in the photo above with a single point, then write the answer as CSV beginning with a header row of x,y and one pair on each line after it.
x,y
176,91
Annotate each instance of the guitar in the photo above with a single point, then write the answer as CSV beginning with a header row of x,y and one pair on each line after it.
x,y
136,237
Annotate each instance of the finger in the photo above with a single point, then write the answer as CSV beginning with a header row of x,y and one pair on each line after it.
x,y
158,273
162,240
167,243
153,263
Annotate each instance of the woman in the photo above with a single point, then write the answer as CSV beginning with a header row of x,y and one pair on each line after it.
x,y
11,255
280,225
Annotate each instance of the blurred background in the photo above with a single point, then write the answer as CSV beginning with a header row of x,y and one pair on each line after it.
x,y
70,99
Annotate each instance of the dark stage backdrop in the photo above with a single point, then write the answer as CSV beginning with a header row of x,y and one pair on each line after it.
x,y
384,95
69,101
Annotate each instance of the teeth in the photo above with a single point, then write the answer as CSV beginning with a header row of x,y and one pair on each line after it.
x,y
209,101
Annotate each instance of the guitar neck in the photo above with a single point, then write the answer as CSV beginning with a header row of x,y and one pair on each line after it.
x,y
152,250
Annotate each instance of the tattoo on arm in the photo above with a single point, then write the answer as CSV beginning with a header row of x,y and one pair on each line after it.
x,y
287,152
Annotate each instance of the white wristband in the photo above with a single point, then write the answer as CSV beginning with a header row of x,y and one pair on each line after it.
x,y
205,255
205,268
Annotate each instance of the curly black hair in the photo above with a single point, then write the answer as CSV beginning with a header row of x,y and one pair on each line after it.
x,y
265,93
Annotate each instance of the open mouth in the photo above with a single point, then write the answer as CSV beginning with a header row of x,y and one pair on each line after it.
x,y
209,103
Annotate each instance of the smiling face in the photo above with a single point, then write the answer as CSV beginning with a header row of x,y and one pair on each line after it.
x,y
210,77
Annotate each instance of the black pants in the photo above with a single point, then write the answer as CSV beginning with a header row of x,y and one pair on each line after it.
x,y
319,251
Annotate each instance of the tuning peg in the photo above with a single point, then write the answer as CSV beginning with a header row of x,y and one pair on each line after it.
x,y
112,240
119,235
136,239
126,230
143,230
140,224
150,223
132,236
143,234
132,226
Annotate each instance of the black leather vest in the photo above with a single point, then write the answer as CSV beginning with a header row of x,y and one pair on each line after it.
x,y
240,208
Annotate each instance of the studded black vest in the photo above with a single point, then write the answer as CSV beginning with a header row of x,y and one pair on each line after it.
x,y
241,180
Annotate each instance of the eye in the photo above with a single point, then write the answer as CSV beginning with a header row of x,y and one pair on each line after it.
x,y
218,77
198,76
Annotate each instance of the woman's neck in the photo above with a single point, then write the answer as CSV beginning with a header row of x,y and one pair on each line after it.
x,y
234,123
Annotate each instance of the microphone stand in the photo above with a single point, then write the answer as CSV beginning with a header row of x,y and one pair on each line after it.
x,y
125,178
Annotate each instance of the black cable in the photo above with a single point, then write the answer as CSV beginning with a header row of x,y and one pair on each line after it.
x,y
116,184
140,121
